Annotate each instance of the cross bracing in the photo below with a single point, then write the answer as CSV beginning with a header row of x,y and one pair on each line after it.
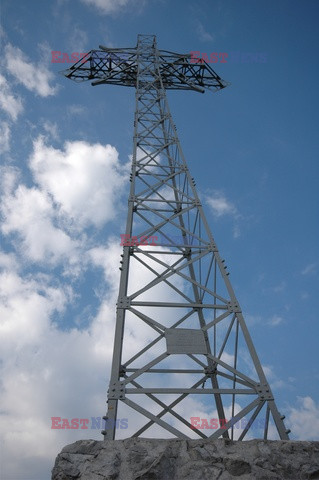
x,y
175,295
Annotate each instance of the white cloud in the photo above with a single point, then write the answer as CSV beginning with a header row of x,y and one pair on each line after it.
x,y
107,6
310,269
78,40
78,187
104,257
52,129
25,308
252,320
44,50
75,109
45,371
304,296
280,287
221,206
28,212
35,78
203,35
44,380
5,134
10,104
8,179
236,231
275,320
303,420
8,262
84,180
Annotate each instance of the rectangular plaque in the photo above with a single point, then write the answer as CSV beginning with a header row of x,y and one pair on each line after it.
x,y
185,340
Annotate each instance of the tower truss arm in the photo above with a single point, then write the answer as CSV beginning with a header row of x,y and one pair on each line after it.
x,y
119,66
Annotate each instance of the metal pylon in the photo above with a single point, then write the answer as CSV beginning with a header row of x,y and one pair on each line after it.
x,y
175,295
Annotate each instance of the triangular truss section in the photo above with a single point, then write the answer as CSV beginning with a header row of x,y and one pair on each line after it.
x,y
175,295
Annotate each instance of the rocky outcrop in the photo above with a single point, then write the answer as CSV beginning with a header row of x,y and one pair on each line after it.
x,y
154,459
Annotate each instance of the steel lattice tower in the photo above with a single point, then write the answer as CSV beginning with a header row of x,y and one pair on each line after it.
x,y
189,329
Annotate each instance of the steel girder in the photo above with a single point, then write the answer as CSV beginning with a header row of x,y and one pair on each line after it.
x,y
175,295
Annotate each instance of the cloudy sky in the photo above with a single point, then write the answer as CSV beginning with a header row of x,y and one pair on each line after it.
x,y
65,148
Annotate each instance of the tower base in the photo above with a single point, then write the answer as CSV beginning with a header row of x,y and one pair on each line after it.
x,y
175,459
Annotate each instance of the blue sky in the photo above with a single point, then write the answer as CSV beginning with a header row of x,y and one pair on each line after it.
x,y
252,148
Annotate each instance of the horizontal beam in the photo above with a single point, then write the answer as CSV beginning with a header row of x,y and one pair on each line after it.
x,y
182,305
198,391
167,370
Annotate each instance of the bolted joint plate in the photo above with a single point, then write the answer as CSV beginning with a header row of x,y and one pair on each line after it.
x,y
117,391
124,302
233,307
264,391
210,370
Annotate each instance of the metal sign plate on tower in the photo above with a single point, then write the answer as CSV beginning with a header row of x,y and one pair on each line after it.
x,y
185,340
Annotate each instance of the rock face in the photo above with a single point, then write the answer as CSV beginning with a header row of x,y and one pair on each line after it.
x,y
152,459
